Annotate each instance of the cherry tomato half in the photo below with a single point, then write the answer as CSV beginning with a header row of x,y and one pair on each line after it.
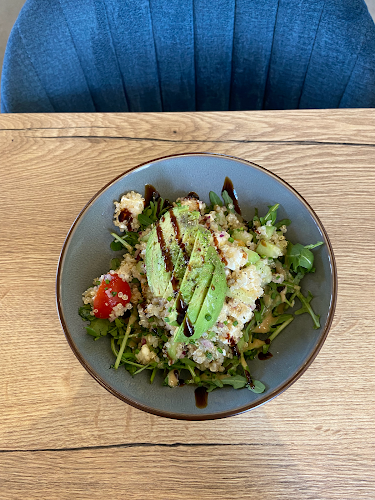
x,y
113,290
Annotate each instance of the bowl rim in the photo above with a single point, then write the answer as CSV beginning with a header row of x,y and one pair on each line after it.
x,y
205,416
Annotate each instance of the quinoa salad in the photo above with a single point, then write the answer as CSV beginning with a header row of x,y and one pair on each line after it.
x,y
199,291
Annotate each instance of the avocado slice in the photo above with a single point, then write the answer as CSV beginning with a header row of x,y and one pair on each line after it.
x,y
196,302
180,265
192,273
160,258
207,301
214,300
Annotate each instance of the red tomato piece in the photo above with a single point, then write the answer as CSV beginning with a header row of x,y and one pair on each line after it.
x,y
113,290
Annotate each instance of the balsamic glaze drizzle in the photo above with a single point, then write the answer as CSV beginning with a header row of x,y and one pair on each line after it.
x,y
164,250
125,216
151,194
188,327
263,357
181,308
228,187
178,237
201,396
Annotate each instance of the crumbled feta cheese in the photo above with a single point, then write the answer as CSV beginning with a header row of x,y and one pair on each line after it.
x,y
192,203
235,256
145,356
127,211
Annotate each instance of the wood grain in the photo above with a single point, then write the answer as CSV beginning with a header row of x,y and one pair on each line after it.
x,y
63,436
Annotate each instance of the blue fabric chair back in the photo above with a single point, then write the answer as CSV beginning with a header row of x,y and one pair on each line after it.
x,y
186,55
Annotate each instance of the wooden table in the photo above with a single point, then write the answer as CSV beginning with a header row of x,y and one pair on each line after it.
x,y
62,436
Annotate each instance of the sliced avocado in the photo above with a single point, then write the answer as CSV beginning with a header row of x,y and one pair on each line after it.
x,y
196,302
158,276
214,300
206,303
180,264
267,249
212,304
200,291
192,271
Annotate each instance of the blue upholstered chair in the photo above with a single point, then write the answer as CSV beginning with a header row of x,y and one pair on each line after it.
x,y
184,55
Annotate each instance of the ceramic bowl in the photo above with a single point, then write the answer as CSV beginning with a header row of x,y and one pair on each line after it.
x,y
86,254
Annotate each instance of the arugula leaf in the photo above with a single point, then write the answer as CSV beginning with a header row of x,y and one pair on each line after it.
x,y
256,216
257,387
215,200
280,328
127,240
115,263
297,256
283,222
116,245
153,212
314,245
119,322
259,314
228,201
86,312
99,326
279,320
212,384
122,240
306,307
132,238
92,332
144,220
236,381
271,215
188,362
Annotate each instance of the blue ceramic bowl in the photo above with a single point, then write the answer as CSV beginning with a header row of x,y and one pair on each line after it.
x,y
86,254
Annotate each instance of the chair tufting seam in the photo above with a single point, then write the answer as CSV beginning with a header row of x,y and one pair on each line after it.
x,y
195,58
312,49
75,48
231,62
354,65
117,59
269,63
32,64
156,56
5,109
